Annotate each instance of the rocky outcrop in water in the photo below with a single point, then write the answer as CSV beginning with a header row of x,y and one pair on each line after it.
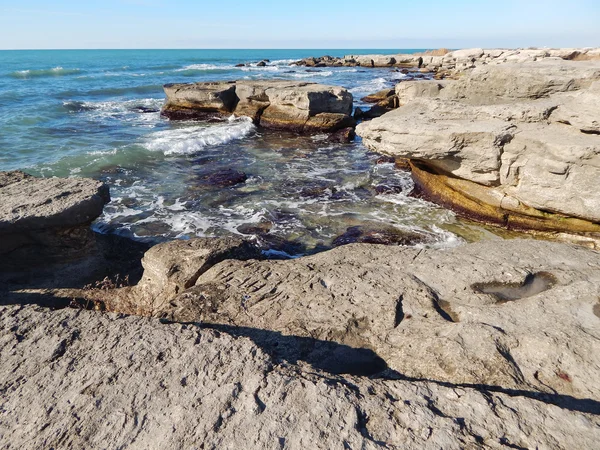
x,y
490,345
287,105
44,219
514,144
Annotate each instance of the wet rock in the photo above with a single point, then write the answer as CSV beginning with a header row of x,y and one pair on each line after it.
x,y
240,65
259,228
318,190
378,234
378,96
388,189
44,219
359,113
261,64
146,110
342,136
225,178
385,160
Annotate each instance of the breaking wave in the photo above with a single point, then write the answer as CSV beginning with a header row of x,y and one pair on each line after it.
x,y
191,139
39,73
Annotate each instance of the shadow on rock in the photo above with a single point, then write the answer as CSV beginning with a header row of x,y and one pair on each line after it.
x,y
584,405
328,356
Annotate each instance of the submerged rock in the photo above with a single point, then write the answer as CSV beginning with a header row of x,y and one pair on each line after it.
x,y
367,234
288,105
44,219
225,178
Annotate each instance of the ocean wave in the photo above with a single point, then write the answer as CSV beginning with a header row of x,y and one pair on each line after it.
x,y
192,139
145,105
144,89
203,67
325,73
39,73
283,62
375,85
254,67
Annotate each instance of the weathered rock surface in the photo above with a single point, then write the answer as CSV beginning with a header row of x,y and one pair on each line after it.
x,y
516,129
43,218
169,269
299,106
404,303
472,370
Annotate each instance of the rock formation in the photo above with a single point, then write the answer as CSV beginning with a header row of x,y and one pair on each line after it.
x,y
490,345
288,105
446,62
515,144
45,219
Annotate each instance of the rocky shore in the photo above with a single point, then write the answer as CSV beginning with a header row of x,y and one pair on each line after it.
x,y
514,144
204,343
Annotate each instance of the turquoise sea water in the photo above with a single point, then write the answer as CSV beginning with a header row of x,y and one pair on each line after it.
x,y
95,113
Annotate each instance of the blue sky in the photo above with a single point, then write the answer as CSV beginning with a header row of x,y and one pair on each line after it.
x,y
301,24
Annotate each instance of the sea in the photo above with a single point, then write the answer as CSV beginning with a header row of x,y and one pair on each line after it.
x,y
96,113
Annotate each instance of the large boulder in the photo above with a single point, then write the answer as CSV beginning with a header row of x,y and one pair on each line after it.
x,y
199,100
72,379
46,218
291,105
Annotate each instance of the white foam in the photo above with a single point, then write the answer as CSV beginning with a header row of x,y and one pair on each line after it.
x,y
283,62
192,139
205,67
326,73
375,85
53,72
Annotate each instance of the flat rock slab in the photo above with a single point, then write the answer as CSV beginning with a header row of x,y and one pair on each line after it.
x,y
423,311
29,203
82,379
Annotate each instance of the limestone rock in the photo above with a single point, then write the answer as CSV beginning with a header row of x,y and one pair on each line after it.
x,y
508,82
529,132
199,100
409,90
292,105
429,314
172,267
47,217
83,379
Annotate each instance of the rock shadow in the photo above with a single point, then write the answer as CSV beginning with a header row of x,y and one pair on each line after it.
x,y
113,260
327,356
583,405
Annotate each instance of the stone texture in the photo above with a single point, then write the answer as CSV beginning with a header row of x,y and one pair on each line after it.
x,y
169,269
403,303
46,218
83,379
297,106
528,131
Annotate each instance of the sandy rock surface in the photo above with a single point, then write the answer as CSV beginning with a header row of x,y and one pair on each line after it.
x,y
72,379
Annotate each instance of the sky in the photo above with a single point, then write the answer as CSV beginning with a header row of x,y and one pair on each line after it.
x,y
313,24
